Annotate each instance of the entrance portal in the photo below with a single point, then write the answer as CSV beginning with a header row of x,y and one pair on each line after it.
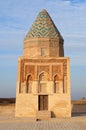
x,y
43,102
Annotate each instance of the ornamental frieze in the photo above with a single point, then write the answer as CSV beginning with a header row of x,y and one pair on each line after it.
x,y
29,69
44,60
56,69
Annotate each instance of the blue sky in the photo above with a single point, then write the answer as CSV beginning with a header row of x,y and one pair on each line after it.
x,y
16,18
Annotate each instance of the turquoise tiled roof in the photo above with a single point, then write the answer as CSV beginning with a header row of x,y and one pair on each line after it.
x,y
43,27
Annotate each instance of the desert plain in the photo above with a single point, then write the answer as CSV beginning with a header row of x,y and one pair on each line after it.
x,y
8,121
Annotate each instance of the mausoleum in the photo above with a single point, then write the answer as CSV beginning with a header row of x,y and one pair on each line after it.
x,y
43,83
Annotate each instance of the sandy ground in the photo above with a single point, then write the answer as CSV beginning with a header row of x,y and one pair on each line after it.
x,y
9,122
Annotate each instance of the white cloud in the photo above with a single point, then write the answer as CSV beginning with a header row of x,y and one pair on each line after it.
x,y
17,16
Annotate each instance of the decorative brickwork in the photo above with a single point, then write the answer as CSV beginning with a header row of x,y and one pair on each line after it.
x,y
30,69
65,68
42,68
56,69
42,60
22,71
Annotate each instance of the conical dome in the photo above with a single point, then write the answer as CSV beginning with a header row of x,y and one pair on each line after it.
x,y
43,38
43,27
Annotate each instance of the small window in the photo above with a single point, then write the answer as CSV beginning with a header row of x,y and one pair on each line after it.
x,y
43,51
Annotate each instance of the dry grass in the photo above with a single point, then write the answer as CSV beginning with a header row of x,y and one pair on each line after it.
x,y
5,101
79,102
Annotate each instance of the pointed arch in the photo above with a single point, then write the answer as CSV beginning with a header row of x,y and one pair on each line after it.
x,y
29,80
57,77
43,78
56,83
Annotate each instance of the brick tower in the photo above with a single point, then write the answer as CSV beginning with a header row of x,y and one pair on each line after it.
x,y
43,82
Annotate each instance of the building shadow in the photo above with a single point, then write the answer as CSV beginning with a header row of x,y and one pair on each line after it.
x,y
53,114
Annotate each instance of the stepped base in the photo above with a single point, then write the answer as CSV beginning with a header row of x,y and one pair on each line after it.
x,y
43,115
